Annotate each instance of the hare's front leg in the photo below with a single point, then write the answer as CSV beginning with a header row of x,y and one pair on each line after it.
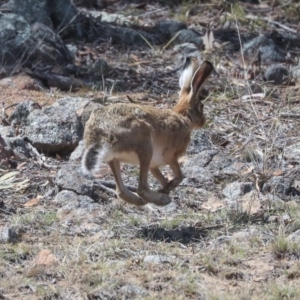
x,y
122,191
172,184
145,153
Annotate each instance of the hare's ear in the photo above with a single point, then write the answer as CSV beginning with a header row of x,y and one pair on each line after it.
x,y
200,76
187,74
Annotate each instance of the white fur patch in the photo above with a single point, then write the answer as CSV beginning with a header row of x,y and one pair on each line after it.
x,y
104,155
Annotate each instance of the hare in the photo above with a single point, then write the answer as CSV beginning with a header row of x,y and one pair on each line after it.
x,y
147,136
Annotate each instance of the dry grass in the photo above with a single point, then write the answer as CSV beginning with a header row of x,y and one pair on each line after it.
x,y
203,252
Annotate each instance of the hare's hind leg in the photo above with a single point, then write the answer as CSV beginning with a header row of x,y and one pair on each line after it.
x,y
143,188
122,191
172,184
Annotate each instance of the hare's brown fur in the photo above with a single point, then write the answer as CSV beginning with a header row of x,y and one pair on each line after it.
x,y
146,136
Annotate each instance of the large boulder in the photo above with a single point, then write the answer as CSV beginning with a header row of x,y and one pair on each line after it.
x,y
55,129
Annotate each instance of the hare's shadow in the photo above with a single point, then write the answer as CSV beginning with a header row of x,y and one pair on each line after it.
x,y
184,235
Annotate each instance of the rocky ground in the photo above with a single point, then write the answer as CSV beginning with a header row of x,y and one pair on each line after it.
x,y
232,230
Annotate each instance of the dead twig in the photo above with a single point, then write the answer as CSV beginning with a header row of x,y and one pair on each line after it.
x,y
4,116
294,116
39,158
112,185
105,188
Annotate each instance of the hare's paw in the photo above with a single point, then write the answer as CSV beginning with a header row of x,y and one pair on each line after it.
x,y
131,198
155,197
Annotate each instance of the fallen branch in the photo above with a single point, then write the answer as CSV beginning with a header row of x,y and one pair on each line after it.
x,y
294,116
4,116
273,22
107,189
112,185
39,158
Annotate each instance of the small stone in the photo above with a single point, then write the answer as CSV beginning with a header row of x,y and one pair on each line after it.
x,y
272,199
45,258
278,185
71,178
8,235
246,234
22,111
102,235
273,219
269,52
199,142
236,168
201,159
159,259
78,152
170,208
286,218
131,291
236,189
292,152
223,239
65,197
277,74
188,36
88,228
295,236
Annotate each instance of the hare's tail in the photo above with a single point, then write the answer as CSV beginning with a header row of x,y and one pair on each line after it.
x,y
90,160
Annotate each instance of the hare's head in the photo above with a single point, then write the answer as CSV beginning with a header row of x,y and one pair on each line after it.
x,y
191,82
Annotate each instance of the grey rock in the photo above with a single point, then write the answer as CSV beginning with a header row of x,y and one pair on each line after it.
x,y
169,28
71,104
103,235
18,146
88,228
198,175
119,19
102,294
184,50
292,152
50,193
223,239
269,52
5,153
81,209
296,73
76,155
88,109
278,185
31,12
22,111
272,198
8,235
188,36
7,131
71,178
220,162
131,291
235,169
64,197
277,74
53,130
295,236
15,31
199,142
159,259
170,208
236,189
200,160
253,89
246,234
